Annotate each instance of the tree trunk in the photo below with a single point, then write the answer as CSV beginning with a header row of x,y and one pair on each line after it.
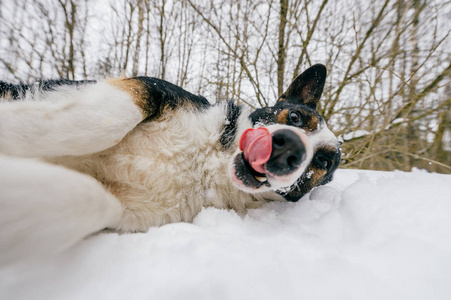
x,y
281,53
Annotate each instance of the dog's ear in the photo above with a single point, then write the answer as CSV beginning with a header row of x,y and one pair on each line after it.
x,y
307,87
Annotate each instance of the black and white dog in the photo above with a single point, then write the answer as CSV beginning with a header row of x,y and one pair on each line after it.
x,y
77,157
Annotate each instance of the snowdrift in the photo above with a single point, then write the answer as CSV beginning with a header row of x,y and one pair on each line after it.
x,y
366,235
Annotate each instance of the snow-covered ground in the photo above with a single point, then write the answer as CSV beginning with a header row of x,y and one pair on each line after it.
x,y
367,235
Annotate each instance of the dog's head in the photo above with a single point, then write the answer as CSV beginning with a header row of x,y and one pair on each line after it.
x,y
289,150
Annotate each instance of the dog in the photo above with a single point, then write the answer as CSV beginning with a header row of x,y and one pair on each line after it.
x,y
125,154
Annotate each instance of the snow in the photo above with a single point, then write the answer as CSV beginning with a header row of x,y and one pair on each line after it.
x,y
366,235
354,134
396,121
446,140
399,120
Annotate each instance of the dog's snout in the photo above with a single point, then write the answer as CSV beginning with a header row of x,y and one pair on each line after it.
x,y
287,154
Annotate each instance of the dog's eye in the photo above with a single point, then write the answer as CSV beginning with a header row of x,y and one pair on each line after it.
x,y
295,117
323,161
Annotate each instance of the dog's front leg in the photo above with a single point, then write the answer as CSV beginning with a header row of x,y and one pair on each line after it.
x,y
58,118
67,120
45,209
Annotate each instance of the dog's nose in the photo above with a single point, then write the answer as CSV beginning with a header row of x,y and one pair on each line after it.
x,y
287,154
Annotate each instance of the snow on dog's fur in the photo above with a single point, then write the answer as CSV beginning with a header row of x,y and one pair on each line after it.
x,y
126,154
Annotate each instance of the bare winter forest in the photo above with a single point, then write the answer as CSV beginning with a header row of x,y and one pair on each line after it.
x,y
388,91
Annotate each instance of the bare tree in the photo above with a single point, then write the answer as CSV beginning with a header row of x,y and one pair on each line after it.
x,y
388,60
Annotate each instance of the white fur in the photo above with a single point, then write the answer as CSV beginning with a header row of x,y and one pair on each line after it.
x,y
323,137
166,170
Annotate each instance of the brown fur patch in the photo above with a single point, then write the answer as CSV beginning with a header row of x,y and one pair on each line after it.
x,y
282,98
135,88
310,120
311,124
6,97
282,117
316,176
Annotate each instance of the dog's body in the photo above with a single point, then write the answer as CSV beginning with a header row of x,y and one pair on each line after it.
x,y
128,154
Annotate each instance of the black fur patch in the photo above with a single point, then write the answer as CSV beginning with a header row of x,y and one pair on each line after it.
x,y
231,125
265,115
18,90
162,94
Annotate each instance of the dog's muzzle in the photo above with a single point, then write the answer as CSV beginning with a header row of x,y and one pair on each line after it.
x,y
270,157
288,152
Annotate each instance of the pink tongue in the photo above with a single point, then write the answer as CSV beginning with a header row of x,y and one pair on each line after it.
x,y
257,146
